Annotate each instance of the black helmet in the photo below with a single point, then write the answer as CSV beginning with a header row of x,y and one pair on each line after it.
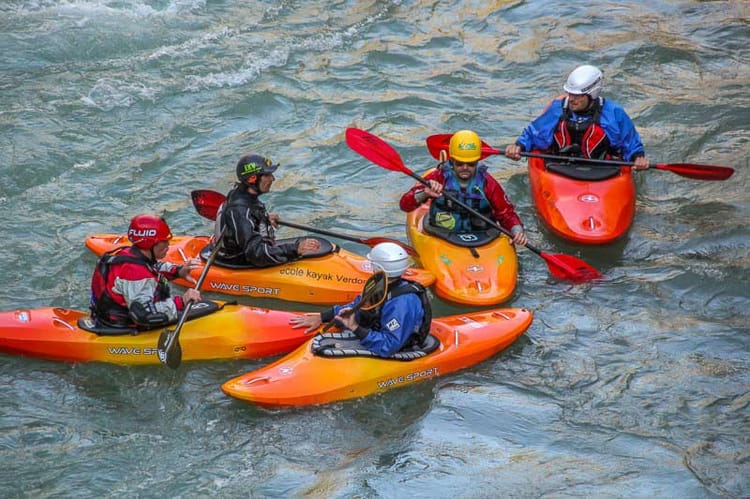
x,y
249,167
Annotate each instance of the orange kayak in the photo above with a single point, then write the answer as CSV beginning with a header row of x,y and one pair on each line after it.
x,y
305,378
330,279
474,269
222,331
583,204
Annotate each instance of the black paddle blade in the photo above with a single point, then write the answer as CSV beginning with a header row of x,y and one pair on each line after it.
x,y
374,290
168,349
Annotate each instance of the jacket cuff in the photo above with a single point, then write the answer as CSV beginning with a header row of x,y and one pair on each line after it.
x,y
361,332
179,303
328,315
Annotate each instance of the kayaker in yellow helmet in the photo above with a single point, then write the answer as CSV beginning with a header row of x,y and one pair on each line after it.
x,y
403,319
249,239
468,180
129,287
583,123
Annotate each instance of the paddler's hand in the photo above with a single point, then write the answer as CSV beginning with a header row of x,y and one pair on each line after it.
x,y
641,163
513,151
274,219
347,319
308,246
191,295
185,269
310,321
519,235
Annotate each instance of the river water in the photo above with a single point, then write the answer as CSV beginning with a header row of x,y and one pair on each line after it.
x,y
635,386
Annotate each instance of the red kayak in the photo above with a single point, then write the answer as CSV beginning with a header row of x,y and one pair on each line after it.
x,y
583,204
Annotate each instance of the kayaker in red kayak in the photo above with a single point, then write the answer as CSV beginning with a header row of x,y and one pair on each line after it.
x,y
468,180
249,239
403,319
129,287
583,123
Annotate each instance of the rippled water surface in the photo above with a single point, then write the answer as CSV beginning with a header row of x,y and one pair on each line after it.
x,y
636,386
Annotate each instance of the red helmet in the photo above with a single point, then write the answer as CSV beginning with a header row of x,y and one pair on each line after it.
x,y
147,230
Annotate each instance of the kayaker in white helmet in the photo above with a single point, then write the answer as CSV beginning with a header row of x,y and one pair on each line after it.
x,y
129,287
403,319
583,123
249,240
468,180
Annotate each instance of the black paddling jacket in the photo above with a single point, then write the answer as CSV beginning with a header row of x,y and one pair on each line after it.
x,y
249,238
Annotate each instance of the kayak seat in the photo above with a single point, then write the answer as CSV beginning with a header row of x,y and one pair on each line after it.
x,y
326,247
198,309
346,344
465,239
583,172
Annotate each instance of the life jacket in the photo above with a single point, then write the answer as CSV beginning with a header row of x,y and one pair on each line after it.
x,y
445,214
370,319
105,310
584,131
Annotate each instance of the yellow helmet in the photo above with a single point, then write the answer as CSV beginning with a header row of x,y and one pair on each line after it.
x,y
465,146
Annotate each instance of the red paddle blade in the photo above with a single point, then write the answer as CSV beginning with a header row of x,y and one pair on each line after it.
x,y
441,142
570,268
696,171
207,202
376,150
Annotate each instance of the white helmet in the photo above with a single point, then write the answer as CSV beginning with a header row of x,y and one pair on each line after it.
x,y
585,80
390,257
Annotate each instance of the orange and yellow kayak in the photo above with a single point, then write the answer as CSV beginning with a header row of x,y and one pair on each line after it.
x,y
304,378
227,331
467,269
334,278
580,204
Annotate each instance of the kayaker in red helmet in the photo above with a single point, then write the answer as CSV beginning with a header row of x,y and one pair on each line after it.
x,y
403,319
250,240
468,180
583,123
129,287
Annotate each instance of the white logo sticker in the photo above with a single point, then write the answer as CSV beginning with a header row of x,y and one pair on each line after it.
x,y
393,325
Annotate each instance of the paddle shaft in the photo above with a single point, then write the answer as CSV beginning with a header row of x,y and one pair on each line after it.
x,y
173,337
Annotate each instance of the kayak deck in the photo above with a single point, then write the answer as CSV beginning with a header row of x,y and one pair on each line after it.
x,y
303,378
232,332
583,211
333,278
482,275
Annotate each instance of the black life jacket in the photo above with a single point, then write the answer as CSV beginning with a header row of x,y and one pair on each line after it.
x,y
239,200
105,310
370,319
584,131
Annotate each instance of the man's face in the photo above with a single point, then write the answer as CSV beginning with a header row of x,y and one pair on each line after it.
x,y
578,102
264,184
464,171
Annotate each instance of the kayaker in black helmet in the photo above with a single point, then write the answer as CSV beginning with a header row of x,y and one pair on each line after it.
x,y
129,287
403,319
249,239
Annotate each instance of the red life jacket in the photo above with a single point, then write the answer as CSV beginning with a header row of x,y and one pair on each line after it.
x,y
105,308
588,134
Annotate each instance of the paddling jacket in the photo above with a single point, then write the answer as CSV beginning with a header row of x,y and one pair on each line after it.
x,y
604,129
484,194
129,290
401,321
249,238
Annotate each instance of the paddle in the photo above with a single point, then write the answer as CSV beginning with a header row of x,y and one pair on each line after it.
x,y
168,348
379,152
373,294
440,142
207,204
